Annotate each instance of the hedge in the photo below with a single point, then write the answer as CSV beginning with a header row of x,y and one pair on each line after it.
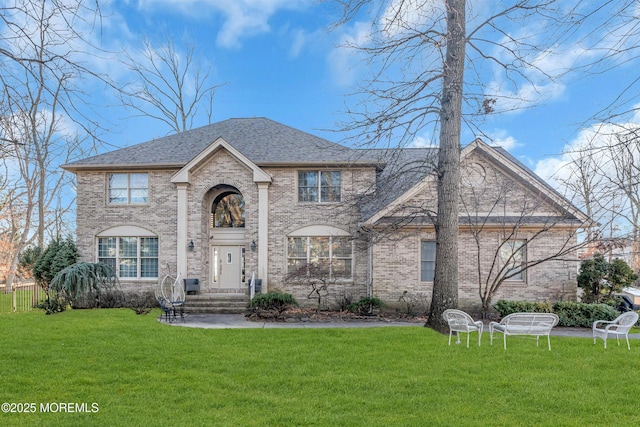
x,y
574,314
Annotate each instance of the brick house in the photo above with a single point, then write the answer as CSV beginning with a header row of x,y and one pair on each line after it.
x,y
252,196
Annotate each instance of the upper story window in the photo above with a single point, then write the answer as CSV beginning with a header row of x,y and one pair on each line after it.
x,y
128,188
513,256
319,186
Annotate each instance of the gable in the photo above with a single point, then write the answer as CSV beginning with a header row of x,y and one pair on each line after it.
x,y
183,176
493,185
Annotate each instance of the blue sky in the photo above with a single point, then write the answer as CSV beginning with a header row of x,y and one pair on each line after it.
x,y
277,59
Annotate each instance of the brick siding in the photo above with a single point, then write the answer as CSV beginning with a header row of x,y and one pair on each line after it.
x,y
396,261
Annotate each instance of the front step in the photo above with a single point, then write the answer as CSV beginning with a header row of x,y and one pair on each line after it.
x,y
218,303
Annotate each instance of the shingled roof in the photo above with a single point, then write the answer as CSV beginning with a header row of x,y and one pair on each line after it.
x,y
403,168
261,140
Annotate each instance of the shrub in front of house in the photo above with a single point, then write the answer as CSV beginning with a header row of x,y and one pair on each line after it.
x,y
573,314
46,264
506,307
366,306
141,302
270,305
583,315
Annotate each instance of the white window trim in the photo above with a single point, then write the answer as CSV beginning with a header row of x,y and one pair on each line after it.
x,y
128,202
127,231
330,236
523,247
420,260
319,172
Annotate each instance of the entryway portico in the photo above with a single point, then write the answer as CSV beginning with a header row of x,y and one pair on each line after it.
x,y
223,249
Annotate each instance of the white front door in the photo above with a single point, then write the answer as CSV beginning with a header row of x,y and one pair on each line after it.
x,y
227,264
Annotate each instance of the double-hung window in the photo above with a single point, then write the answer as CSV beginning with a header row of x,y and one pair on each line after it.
x,y
128,188
427,260
513,258
130,257
319,186
330,256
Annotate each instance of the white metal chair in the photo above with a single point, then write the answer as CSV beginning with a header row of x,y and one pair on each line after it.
x,y
620,326
170,295
459,321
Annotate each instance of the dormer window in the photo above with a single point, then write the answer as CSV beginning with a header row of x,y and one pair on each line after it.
x,y
319,186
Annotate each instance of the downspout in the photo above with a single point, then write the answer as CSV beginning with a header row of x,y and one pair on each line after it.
x,y
370,267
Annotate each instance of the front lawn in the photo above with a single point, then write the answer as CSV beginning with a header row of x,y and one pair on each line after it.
x,y
137,372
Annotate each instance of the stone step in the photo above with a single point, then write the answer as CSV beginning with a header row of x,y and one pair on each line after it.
x,y
217,303
214,310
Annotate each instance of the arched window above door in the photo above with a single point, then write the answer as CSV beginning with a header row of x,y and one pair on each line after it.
x,y
227,211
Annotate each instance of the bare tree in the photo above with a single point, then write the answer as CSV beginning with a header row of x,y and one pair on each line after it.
x,y
47,39
604,178
508,222
170,86
425,80
619,169
40,115
584,185
318,277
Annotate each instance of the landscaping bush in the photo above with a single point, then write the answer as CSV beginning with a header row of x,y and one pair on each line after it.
x,y
270,305
583,315
366,306
56,257
600,279
140,302
506,307
574,314
85,281
27,261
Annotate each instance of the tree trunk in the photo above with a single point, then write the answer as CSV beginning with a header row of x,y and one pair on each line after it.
x,y
445,284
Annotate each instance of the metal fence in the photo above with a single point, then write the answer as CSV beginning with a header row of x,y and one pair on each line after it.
x,y
21,297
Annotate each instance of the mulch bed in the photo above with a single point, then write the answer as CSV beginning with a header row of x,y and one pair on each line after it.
x,y
293,315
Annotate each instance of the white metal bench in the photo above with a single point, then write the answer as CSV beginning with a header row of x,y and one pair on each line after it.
x,y
535,324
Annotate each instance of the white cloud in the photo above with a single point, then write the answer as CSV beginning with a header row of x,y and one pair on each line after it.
x,y
606,40
560,168
401,15
421,142
345,59
299,40
501,138
242,18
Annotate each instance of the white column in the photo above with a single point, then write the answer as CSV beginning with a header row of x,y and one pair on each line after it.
x,y
182,230
263,234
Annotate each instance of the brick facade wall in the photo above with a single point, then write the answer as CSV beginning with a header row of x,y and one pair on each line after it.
x,y
397,270
95,215
287,215
396,261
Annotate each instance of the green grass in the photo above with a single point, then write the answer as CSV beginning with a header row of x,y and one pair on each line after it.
x,y
143,373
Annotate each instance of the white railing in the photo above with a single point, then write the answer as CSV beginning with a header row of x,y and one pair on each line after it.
x,y
252,286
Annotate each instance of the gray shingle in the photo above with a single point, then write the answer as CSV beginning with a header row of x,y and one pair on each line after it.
x,y
403,168
261,140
